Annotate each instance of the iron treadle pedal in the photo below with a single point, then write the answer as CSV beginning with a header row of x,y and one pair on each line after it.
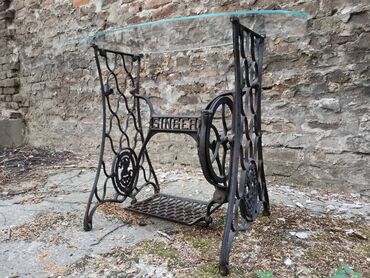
x,y
176,209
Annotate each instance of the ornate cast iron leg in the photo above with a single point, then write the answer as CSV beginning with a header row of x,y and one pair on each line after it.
x,y
122,134
247,185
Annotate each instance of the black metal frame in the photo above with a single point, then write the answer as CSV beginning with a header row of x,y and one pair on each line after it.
x,y
231,159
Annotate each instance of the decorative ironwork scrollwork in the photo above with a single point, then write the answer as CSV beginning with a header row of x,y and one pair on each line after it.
x,y
124,173
123,156
248,193
247,181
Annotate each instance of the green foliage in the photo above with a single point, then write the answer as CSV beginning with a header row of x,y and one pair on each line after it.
x,y
366,232
264,274
205,245
365,250
160,249
313,254
345,271
207,270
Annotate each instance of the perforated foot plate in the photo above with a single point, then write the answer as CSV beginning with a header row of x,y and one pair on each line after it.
x,y
177,209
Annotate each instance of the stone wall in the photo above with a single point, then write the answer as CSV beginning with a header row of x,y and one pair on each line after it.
x,y
12,104
316,99
9,63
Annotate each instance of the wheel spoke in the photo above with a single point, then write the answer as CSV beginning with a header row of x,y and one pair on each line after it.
x,y
219,165
216,132
215,152
224,159
224,124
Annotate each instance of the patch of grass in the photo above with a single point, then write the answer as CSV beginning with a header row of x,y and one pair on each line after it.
x,y
345,271
366,232
205,245
313,254
160,249
267,219
364,250
264,274
207,270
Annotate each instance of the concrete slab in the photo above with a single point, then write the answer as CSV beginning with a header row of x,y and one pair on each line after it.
x,y
41,232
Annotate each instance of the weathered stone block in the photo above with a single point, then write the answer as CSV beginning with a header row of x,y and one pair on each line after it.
x,y
13,82
8,66
338,76
15,66
18,98
15,115
359,144
330,104
4,60
25,104
19,5
364,128
9,91
8,14
12,132
363,41
11,74
359,17
165,11
153,4
8,34
12,105
280,168
3,6
3,24
3,45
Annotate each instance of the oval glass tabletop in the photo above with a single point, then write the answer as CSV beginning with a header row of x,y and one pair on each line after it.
x,y
211,30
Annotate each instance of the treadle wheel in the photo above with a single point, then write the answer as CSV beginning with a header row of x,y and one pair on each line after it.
x,y
215,141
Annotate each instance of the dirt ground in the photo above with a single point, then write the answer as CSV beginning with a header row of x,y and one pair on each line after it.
x,y
42,199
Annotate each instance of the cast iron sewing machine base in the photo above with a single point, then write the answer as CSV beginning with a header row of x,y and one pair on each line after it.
x,y
227,133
